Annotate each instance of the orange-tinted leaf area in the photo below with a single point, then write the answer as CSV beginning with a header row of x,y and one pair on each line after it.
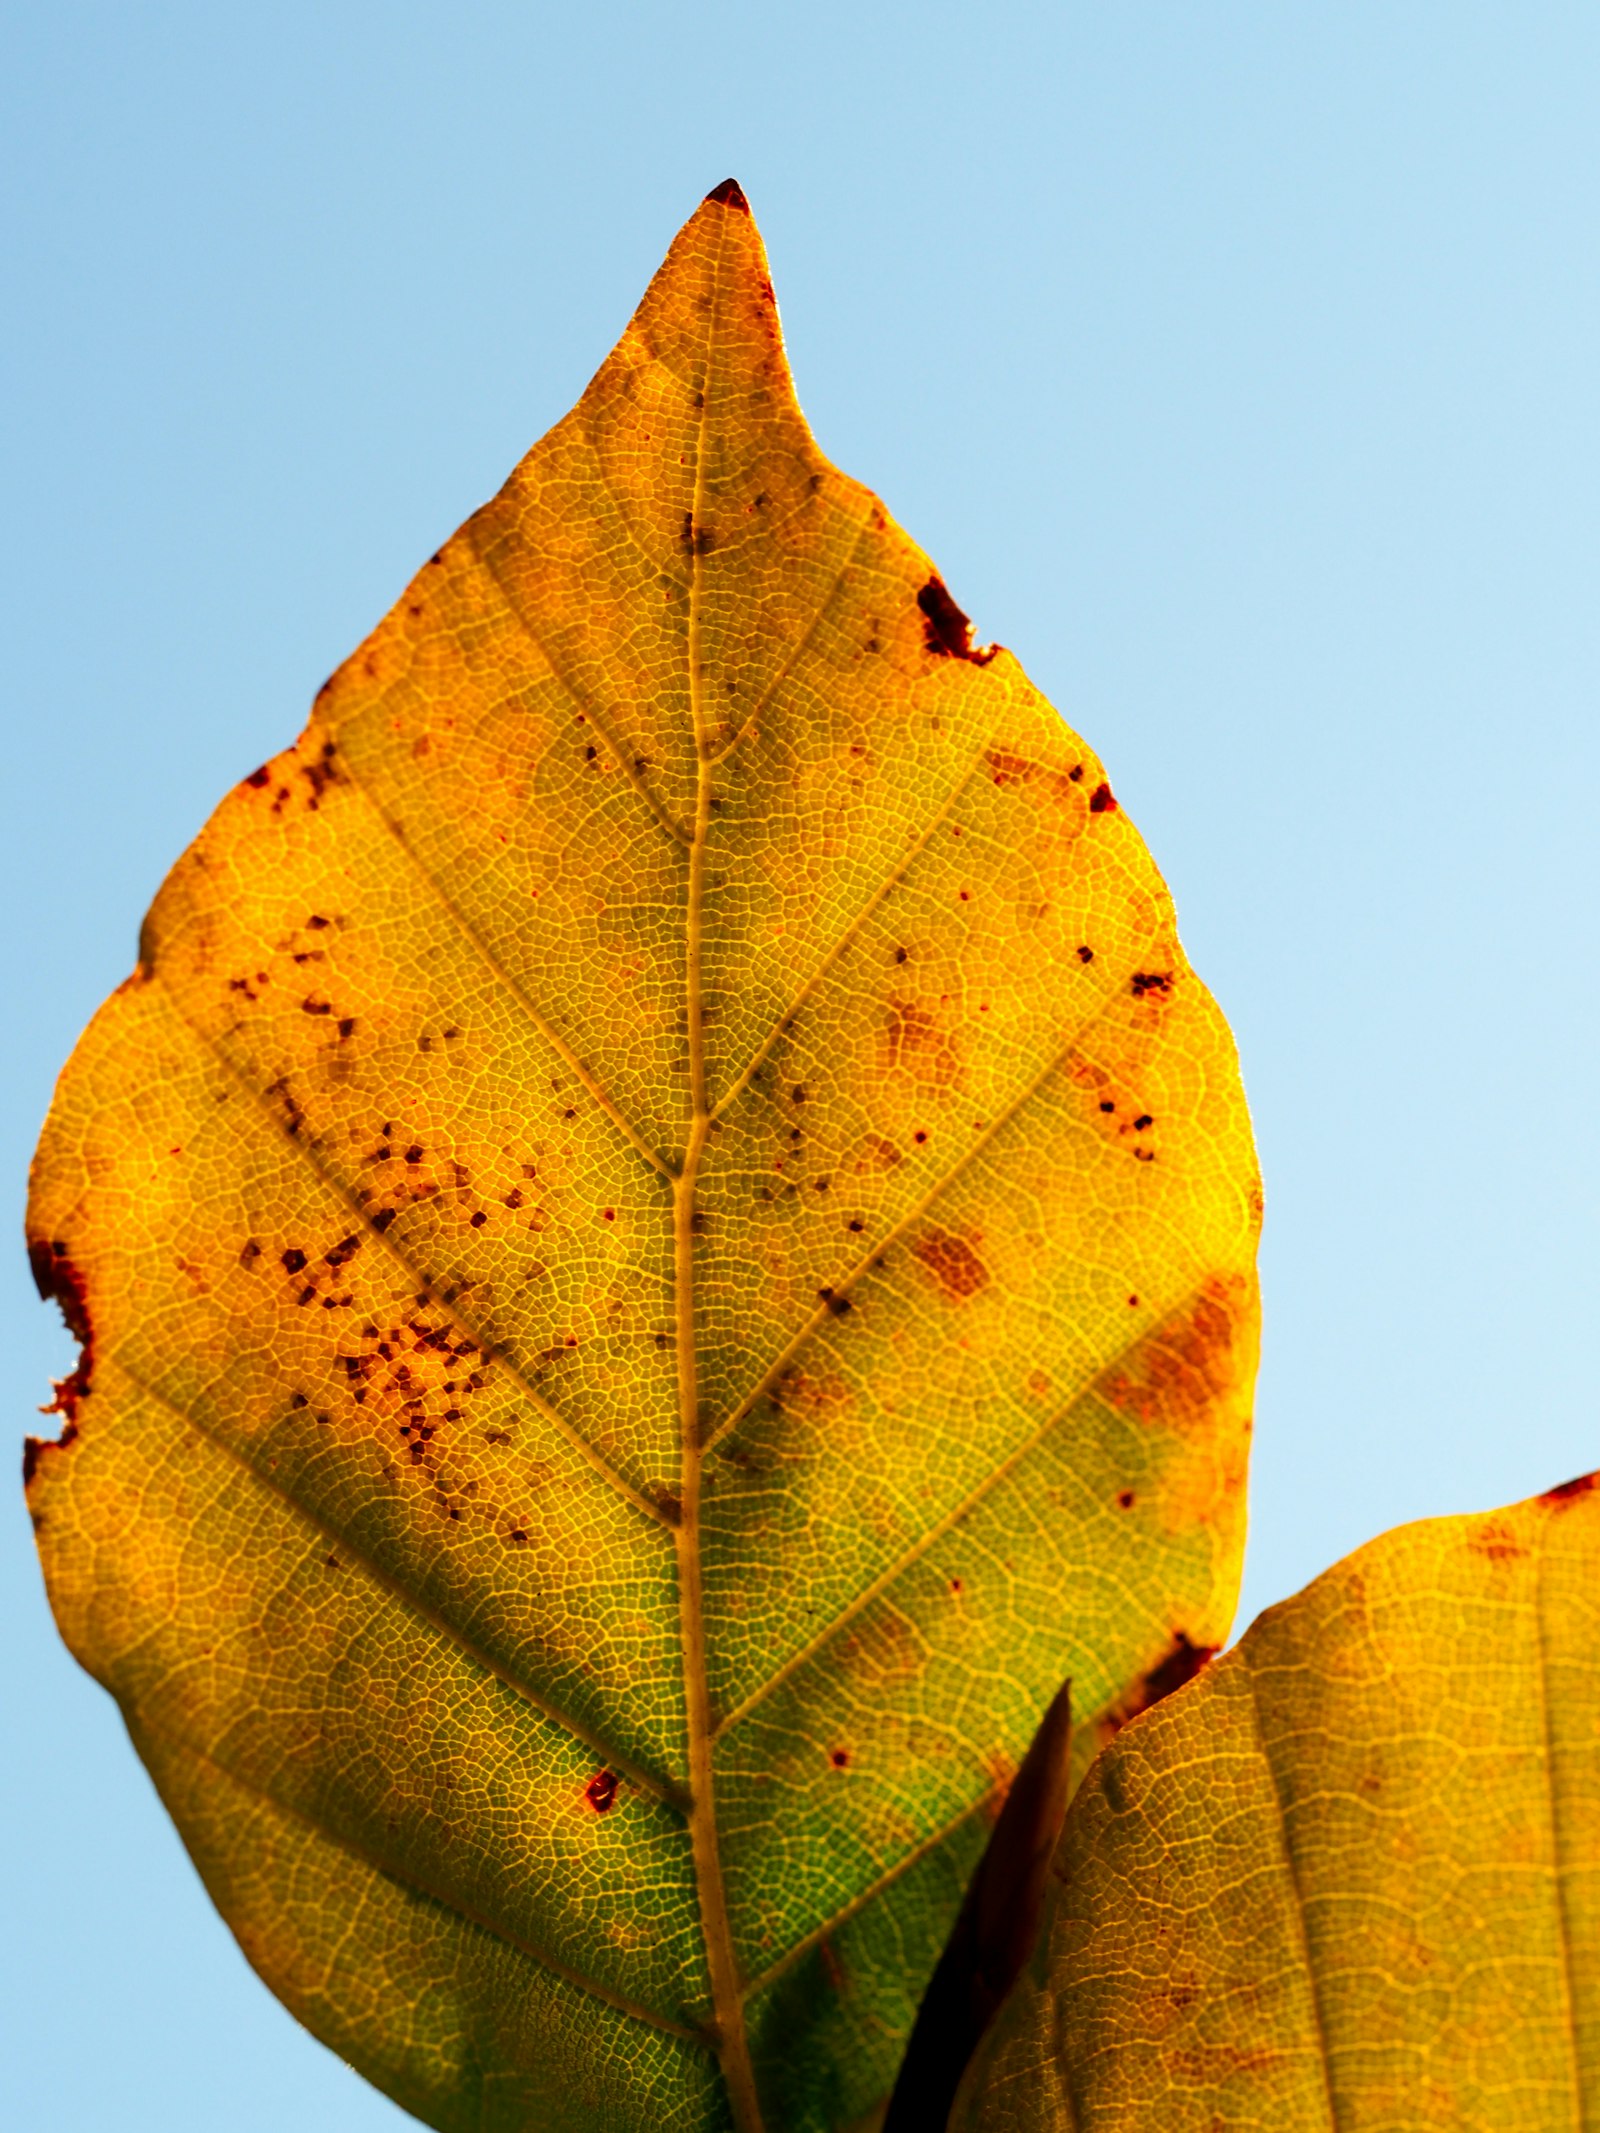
x,y
664,1239
1350,1878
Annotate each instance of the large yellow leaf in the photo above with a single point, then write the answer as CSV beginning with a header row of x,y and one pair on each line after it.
x,y
666,1240
1350,1878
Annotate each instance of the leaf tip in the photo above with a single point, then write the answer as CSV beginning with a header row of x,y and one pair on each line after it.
x,y
730,193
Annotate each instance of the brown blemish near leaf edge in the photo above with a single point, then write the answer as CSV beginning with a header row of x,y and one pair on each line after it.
x,y
57,1279
945,629
1174,1670
1568,1492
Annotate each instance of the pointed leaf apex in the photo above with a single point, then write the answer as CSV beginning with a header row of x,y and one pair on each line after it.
x,y
730,193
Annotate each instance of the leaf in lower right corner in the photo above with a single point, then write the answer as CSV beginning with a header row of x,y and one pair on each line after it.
x,y
1351,1876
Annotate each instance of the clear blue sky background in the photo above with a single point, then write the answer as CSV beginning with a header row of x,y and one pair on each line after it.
x,y
1237,363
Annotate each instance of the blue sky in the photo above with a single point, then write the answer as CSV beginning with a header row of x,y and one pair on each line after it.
x,y
1237,365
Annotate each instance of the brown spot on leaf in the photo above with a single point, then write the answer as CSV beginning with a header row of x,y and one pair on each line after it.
x,y
952,1262
915,1044
1102,801
878,1154
1194,1359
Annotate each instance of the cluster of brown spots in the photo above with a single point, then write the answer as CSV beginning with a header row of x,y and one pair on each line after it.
x,y
319,773
1008,769
836,1303
294,1112
1145,982
1177,1666
695,539
412,1371
1174,1375
952,1262
946,631
1495,1540
601,1791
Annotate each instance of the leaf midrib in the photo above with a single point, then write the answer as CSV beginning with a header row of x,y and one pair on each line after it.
x,y
733,2050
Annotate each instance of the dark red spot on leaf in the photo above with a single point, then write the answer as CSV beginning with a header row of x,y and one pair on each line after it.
x,y
601,1791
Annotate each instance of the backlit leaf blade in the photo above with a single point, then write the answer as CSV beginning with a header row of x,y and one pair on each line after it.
x,y
668,1242
1349,1878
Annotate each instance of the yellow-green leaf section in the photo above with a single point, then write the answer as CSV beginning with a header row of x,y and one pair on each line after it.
x,y
667,1240
1349,1880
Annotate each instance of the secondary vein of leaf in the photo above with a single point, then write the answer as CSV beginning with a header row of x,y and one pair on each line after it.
x,y
600,724
912,1555
919,845
847,1911
822,1314
721,1963
804,644
406,1878
1291,1875
498,971
1563,1918
655,1784
422,1281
